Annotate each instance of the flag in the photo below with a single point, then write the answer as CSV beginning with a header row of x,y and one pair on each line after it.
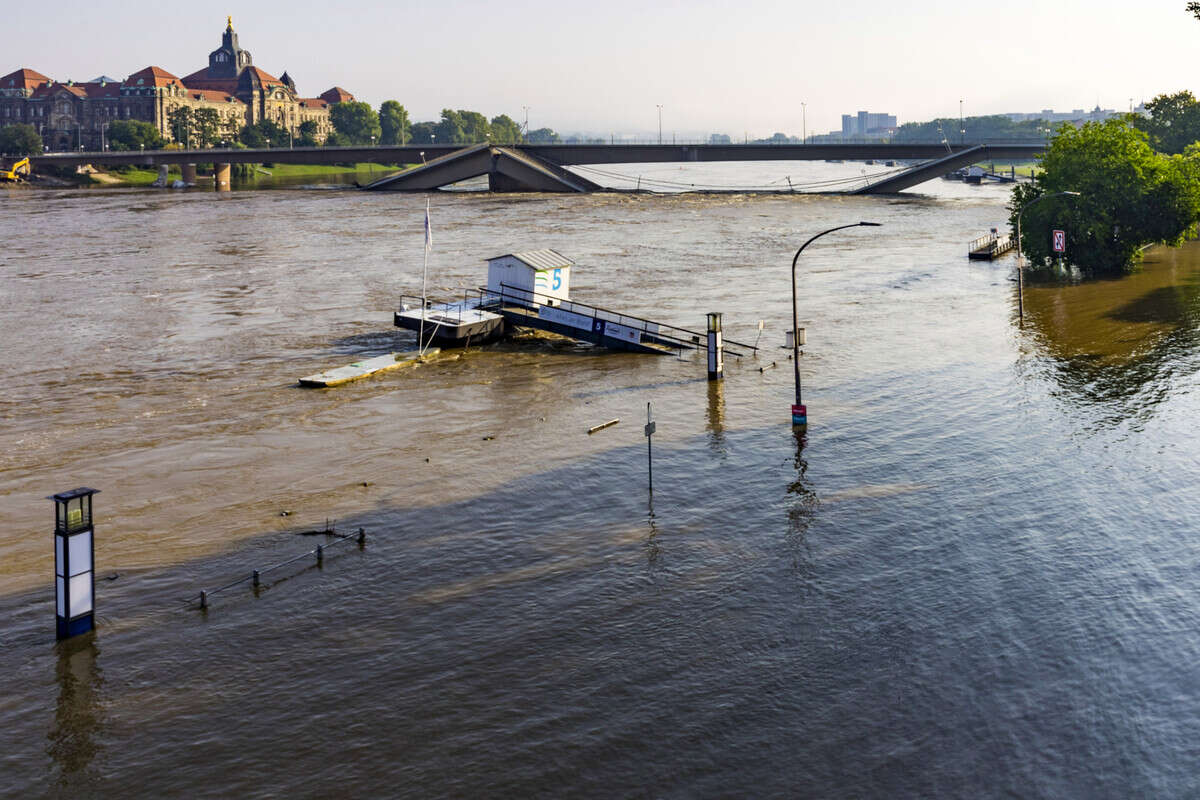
x,y
428,230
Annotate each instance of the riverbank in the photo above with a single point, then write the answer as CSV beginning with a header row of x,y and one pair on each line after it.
x,y
316,173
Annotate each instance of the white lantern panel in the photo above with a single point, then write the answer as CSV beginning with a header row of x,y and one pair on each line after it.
x,y
61,586
58,555
81,552
81,594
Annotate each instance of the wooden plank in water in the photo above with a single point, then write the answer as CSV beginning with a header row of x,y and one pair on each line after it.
x,y
363,369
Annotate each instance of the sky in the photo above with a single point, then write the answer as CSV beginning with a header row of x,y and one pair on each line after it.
x,y
750,68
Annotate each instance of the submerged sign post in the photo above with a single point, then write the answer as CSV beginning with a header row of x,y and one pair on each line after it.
x,y
650,428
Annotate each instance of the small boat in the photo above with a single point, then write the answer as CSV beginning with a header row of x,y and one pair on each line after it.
x,y
974,175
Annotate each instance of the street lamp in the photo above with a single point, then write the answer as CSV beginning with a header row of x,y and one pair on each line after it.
x,y
799,412
659,122
1020,258
804,123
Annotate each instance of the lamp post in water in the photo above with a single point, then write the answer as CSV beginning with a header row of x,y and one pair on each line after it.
x,y
1020,258
799,412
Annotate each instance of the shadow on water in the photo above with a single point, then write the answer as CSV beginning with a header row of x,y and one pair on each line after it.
x,y
1123,340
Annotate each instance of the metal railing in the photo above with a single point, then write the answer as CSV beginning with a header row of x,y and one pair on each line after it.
x,y
255,575
670,335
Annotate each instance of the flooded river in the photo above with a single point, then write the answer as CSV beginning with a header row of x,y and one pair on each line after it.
x,y
976,576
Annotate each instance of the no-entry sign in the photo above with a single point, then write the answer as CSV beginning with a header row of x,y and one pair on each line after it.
x,y
1060,241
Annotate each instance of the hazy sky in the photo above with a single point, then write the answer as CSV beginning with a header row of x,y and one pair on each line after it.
x,y
601,66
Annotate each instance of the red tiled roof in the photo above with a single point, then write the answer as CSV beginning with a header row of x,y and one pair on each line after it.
x,y
337,95
152,76
212,95
313,102
226,85
101,90
263,75
54,88
23,79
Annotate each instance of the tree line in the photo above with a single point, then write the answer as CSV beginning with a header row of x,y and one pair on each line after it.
x,y
354,123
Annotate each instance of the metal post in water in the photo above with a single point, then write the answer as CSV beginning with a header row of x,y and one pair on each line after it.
x,y
255,579
362,538
650,428
203,599
320,555
716,362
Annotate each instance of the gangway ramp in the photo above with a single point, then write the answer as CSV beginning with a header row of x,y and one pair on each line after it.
x,y
600,326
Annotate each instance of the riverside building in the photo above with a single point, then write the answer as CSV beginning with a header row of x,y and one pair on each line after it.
x,y
72,115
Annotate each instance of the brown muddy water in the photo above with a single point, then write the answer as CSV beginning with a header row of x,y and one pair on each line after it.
x,y
977,575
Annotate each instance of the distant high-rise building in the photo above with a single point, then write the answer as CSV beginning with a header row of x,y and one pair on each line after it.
x,y
866,124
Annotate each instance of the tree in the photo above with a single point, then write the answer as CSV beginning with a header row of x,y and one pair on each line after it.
x,y
264,133
356,122
180,123
207,129
505,130
393,123
423,133
20,140
542,136
451,129
475,126
1174,121
308,131
133,134
1129,197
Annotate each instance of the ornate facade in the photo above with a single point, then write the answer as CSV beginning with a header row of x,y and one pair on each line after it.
x,y
72,115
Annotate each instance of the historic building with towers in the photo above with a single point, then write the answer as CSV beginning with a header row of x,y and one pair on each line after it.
x,y
71,115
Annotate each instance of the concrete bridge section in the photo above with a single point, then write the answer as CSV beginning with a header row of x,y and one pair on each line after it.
x,y
507,170
932,169
527,165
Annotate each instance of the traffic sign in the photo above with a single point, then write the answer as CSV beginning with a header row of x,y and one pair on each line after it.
x,y
1060,241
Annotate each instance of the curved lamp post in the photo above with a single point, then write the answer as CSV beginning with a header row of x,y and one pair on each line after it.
x,y
1020,258
799,412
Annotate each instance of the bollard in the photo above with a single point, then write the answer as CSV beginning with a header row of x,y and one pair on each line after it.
x,y
203,599
74,568
716,363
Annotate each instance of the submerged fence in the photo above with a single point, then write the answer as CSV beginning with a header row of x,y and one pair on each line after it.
x,y
255,576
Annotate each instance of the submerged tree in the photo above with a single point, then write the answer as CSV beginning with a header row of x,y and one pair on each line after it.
x,y
1129,197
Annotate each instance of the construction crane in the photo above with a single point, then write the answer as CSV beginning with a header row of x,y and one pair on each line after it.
x,y
15,172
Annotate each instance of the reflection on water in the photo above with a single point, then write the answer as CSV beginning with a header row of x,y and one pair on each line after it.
x,y
715,416
77,715
1124,340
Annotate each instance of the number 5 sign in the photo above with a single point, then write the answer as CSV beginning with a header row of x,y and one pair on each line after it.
x,y
1060,241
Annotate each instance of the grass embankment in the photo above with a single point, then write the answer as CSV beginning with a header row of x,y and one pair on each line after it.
x,y
1025,169
363,172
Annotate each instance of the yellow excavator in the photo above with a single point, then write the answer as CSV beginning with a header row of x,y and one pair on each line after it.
x,y
15,172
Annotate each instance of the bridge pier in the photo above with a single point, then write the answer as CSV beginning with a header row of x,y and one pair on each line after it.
x,y
187,173
221,177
